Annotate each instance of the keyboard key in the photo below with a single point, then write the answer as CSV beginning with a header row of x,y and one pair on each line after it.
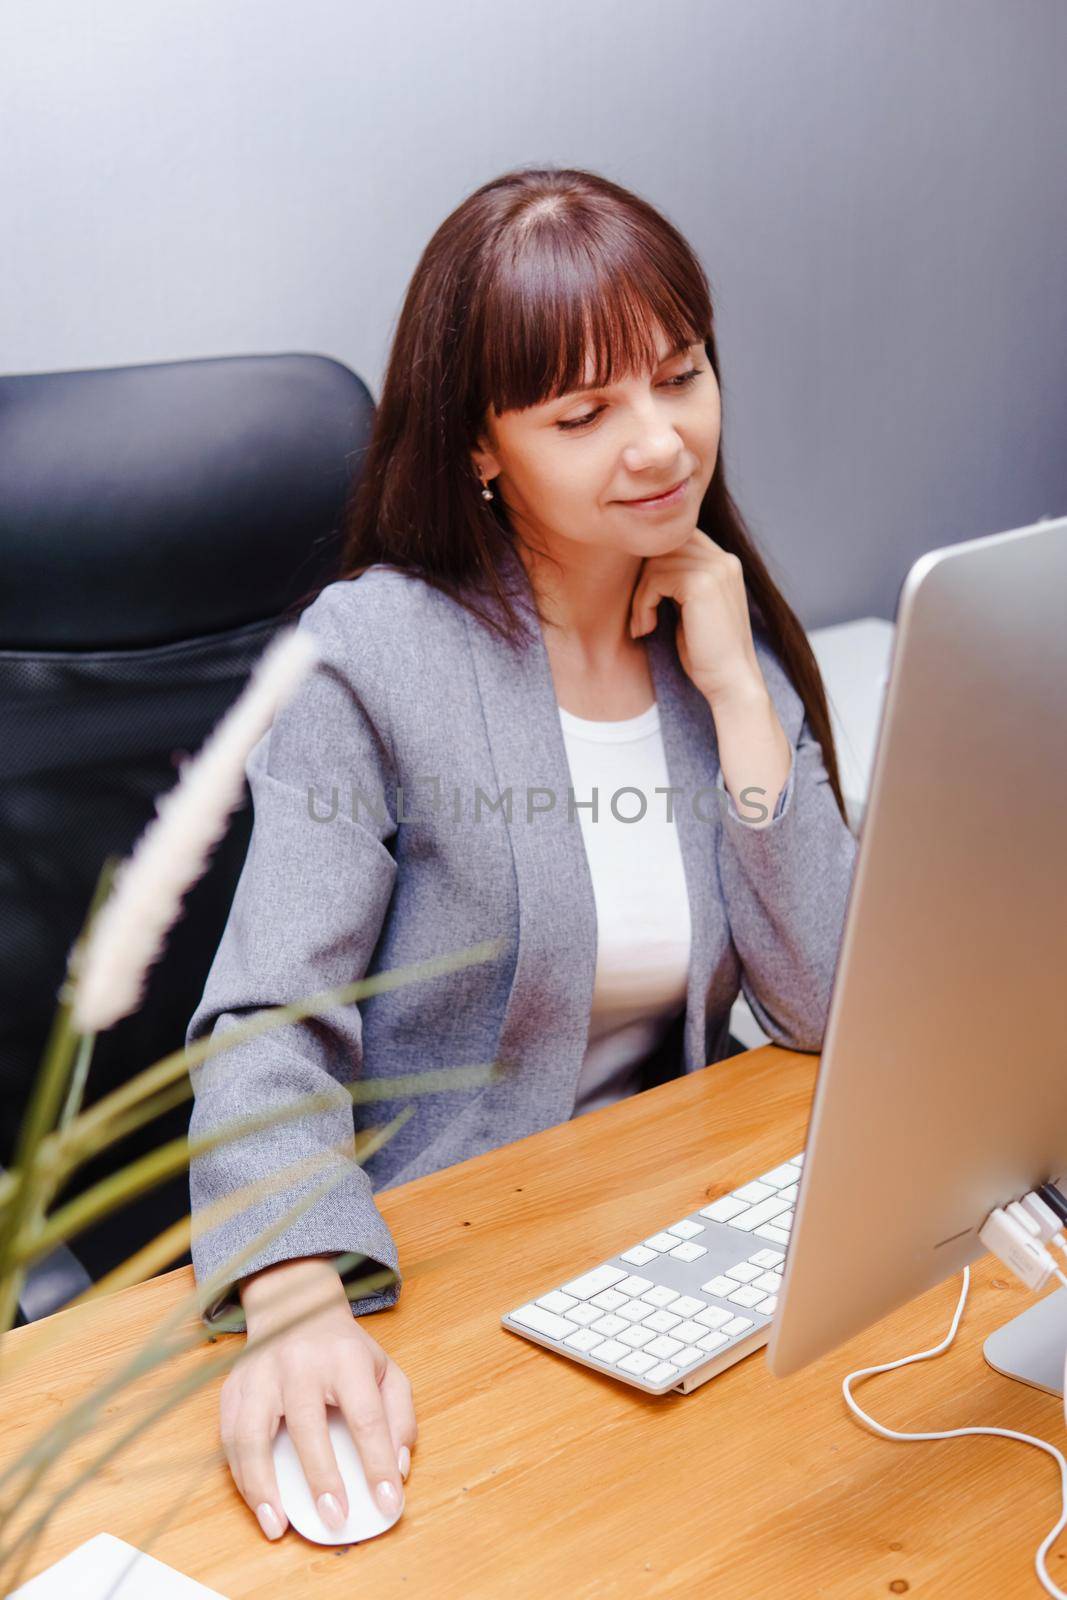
x,y
538,1320
557,1302
781,1177
635,1285
591,1283
664,1346
755,1216
610,1351
608,1299
724,1210
635,1337
660,1374
637,1363
687,1305
609,1325
651,1331
638,1256
688,1251
721,1286
747,1296
689,1332
661,1321
584,1314
753,1192
584,1340
634,1310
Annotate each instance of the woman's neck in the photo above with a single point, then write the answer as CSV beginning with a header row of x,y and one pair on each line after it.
x,y
586,604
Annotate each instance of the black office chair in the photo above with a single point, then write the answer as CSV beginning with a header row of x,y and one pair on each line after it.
x,y
157,525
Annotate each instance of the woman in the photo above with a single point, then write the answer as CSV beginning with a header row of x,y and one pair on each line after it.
x,y
522,619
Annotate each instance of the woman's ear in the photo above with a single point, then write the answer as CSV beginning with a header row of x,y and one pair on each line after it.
x,y
484,462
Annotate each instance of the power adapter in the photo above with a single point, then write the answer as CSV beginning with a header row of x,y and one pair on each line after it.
x,y
1020,1249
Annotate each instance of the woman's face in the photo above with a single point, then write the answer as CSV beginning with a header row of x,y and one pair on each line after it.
x,y
570,469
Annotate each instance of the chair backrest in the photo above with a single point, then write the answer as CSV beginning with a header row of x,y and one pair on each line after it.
x,y
157,525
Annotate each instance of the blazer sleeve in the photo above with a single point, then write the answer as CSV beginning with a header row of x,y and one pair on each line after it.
x,y
786,883
306,916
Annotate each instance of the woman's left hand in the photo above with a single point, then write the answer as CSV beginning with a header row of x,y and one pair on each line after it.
x,y
714,632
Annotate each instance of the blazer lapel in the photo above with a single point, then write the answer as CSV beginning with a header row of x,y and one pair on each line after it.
x,y
547,1017
692,753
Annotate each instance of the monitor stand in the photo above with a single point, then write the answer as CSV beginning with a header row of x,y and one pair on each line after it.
x,y
1032,1346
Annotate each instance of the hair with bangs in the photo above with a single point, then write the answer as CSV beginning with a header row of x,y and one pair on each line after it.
x,y
528,277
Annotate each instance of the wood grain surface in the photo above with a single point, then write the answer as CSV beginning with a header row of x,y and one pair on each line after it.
x,y
536,1477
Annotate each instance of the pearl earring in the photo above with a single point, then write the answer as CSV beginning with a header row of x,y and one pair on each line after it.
x,y
487,493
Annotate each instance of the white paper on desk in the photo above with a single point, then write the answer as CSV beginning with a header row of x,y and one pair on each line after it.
x,y
107,1568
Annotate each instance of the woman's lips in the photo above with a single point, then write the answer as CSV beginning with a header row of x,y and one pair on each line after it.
x,y
669,498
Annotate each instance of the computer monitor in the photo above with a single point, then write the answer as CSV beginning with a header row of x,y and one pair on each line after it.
x,y
942,1086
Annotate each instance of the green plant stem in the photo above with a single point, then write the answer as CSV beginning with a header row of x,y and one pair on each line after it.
x,y
93,1122
156,1106
41,1458
148,1356
33,1188
60,1153
362,1091
171,1158
237,1203
56,1135
32,1185
177,1393
76,1091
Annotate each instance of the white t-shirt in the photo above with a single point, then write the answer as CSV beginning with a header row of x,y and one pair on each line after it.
x,y
639,888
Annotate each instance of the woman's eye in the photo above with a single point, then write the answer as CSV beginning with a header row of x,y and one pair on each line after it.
x,y
672,383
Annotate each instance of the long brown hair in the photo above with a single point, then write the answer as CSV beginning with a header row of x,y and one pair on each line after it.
x,y
528,273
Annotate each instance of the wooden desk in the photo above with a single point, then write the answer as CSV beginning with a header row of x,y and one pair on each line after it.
x,y
536,1477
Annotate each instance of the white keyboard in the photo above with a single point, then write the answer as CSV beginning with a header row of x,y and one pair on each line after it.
x,y
680,1306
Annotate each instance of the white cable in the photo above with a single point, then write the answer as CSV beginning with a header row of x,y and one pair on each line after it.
x,y
956,1433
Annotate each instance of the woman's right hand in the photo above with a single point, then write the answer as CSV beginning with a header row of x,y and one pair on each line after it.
x,y
328,1358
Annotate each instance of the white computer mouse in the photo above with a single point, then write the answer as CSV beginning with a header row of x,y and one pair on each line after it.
x,y
365,1517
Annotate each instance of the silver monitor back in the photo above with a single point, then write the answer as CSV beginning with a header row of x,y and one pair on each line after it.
x,y
942,1087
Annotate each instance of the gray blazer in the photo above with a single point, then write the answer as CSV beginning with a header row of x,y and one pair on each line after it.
x,y
424,718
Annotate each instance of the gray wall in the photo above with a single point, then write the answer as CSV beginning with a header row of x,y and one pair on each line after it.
x,y
876,189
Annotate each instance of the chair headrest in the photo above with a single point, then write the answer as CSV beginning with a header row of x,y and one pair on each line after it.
x,y
142,505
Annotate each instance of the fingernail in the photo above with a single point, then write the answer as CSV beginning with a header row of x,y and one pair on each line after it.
x,y
269,1520
403,1460
330,1511
388,1498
